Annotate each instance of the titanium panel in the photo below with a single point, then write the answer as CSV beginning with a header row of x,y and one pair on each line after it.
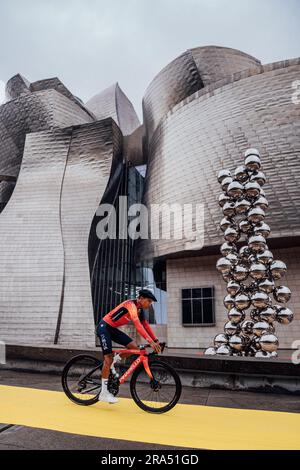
x,y
191,71
112,102
28,113
95,148
211,130
31,250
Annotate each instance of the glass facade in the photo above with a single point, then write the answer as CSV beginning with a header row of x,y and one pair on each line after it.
x,y
115,276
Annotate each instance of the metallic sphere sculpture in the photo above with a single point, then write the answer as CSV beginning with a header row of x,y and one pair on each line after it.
x,y
250,271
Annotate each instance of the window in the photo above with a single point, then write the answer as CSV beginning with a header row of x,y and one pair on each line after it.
x,y
198,306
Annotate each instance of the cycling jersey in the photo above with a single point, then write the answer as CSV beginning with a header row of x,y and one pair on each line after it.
x,y
128,311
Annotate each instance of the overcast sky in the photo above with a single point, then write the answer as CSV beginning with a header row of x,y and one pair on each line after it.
x,y
90,44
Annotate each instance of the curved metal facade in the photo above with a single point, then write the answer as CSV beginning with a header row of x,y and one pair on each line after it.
x,y
112,102
191,71
63,160
31,249
94,149
210,130
30,112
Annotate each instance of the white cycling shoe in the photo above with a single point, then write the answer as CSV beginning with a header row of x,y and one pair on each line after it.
x,y
107,397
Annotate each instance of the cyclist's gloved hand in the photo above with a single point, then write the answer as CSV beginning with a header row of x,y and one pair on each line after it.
x,y
155,346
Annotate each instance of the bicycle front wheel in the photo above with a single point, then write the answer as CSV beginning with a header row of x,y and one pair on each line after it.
x,y
157,395
81,379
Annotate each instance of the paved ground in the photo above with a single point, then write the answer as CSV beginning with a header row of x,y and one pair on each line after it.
x,y
27,437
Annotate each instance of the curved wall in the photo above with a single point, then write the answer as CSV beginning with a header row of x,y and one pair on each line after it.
x,y
28,113
95,148
69,163
211,130
112,102
31,250
191,71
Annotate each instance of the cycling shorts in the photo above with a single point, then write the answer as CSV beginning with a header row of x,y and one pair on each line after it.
x,y
108,333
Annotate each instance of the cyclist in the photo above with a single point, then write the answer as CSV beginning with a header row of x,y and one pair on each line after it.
x,y
107,330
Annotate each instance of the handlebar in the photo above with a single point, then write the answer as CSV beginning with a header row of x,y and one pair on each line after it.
x,y
144,346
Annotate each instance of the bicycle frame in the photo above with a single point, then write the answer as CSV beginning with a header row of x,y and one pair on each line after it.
x,y
142,359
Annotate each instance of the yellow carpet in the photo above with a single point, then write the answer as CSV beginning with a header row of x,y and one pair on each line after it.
x,y
194,426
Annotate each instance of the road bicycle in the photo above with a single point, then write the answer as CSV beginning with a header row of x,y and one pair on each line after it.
x,y
154,385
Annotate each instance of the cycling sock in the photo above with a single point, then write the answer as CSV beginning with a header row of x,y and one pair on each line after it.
x,y
104,385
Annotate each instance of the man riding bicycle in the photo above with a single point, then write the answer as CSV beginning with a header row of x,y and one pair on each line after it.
x,y
107,330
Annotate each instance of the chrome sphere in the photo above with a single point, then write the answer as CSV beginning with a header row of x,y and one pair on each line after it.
x,y
258,271
282,294
262,229
210,352
252,160
266,285
260,300
233,258
236,316
220,339
229,302
252,258
257,243
242,302
227,248
224,350
284,315
271,328
265,257
256,215
232,328
240,272
262,192
259,177
255,343
229,209
251,351
242,206
233,287
247,327
244,252
223,174
235,189
254,315
260,327
262,203
252,287
231,235
251,151
223,265
278,269
263,354
225,223
222,199
268,314
245,226
227,277
269,342
252,189
237,342
241,174
225,183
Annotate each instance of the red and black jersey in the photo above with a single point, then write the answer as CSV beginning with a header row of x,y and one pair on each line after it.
x,y
128,311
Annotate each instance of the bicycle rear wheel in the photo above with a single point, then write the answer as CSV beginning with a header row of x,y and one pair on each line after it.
x,y
81,379
160,394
